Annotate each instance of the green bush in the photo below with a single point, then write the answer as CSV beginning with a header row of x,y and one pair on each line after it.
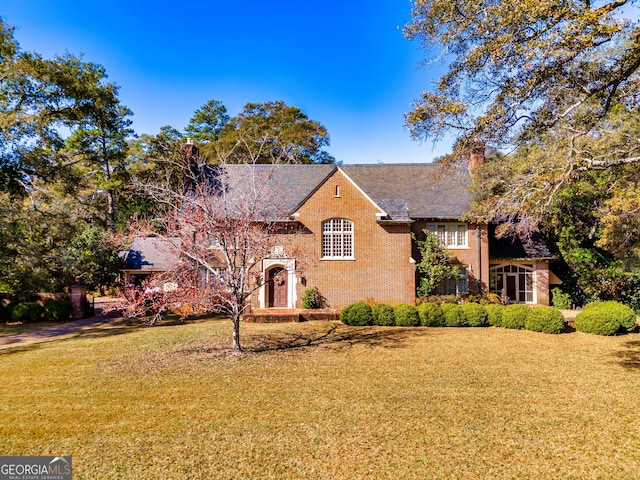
x,y
430,315
407,316
560,300
26,312
475,314
311,299
606,318
494,314
545,319
439,299
57,310
383,315
453,315
357,314
515,316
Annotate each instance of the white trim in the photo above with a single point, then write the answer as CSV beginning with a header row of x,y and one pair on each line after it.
x,y
529,266
290,265
448,229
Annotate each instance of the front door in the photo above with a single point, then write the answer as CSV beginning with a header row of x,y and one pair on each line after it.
x,y
278,288
512,289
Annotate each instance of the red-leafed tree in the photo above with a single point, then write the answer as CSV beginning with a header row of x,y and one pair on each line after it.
x,y
217,229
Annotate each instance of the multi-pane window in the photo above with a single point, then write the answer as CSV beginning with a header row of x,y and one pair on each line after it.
x,y
513,282
337,238
454,286
450,235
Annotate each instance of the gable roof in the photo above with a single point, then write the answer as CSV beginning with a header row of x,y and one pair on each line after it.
x,y
417,190
151,254
517,247
402,191
290,184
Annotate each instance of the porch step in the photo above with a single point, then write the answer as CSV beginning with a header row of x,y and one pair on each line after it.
x,y
282,315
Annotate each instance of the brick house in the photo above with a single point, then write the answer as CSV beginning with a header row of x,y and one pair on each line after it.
x,y
354,228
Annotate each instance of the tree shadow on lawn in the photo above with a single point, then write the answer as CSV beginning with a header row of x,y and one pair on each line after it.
x,y
335,336
119,326
629,358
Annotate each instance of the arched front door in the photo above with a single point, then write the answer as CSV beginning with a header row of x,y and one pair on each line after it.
x,y
278,287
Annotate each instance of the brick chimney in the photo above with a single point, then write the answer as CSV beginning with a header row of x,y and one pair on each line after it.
x,y
477,154
190,168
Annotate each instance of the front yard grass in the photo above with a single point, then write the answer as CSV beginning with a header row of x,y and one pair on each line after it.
x,y
322,400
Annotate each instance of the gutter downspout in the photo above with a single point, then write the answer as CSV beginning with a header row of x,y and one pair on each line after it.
x,y
479,236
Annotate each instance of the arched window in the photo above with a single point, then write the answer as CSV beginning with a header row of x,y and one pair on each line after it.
x,y
337,238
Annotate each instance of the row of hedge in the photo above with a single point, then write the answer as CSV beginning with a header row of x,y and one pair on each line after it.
x,y
53,311
606,318
539,318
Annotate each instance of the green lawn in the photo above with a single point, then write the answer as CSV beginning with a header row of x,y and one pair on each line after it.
x,y
326,401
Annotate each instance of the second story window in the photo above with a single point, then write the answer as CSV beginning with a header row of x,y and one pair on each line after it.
x,y
337,238
450,235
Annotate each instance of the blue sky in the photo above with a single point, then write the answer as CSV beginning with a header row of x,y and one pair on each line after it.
x,y
344,63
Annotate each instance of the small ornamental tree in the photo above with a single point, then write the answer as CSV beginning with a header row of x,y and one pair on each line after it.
x,y
435,264
219,227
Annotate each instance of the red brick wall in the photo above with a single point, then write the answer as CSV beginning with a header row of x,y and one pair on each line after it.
x,y
475,257
381,269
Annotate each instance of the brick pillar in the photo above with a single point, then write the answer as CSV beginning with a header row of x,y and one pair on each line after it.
x,y
78,298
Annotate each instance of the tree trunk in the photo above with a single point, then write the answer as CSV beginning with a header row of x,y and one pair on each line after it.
x,y
111,212
236,333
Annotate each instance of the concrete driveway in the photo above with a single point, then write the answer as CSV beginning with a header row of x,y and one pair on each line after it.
x,y
67,328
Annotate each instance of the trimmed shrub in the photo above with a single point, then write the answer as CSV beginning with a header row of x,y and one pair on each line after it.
x,y
383,315
545,319
475,314
515,316
406,316
453,315
560,300
606,318
357,314
430,315
311,298
494,314
57,310
26,312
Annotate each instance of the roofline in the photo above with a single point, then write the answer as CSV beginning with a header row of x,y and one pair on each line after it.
x,y
325,179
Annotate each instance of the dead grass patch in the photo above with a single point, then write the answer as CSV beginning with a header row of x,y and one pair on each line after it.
x,y
327,401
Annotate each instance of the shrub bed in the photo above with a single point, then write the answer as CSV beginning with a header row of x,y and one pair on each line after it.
x,y
545,319
515,316
453,315
494,314
475,314
430,315
26,312
357,314
406,316
383,315
606,318
57,310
